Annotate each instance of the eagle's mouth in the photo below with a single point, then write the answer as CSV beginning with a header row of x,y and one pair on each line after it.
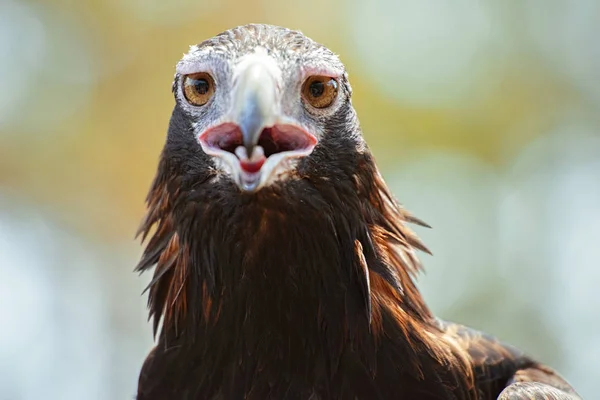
x,y
275,144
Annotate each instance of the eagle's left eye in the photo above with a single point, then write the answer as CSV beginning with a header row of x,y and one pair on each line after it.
x,y
320,91
198,88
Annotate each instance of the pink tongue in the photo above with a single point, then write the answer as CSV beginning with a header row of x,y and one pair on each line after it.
x,y
253,166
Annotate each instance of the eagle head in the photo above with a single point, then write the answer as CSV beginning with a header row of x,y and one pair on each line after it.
x,y
261,106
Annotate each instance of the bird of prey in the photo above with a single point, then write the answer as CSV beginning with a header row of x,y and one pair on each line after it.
x,y
283,266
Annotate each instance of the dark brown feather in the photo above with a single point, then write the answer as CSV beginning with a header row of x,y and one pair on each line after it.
x,y
304,289
298,313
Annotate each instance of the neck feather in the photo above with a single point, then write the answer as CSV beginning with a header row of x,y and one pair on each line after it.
x,y
300,272
349,239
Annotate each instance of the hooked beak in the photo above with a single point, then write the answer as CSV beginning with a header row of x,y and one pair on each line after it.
x,y
257,137
254,104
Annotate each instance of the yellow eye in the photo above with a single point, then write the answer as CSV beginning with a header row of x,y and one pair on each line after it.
x,y
198,88
320,91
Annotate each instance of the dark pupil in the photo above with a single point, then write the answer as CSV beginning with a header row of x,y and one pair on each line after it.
x,y
201,86
317,88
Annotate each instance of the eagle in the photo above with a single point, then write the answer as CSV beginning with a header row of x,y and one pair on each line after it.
x,y
284,268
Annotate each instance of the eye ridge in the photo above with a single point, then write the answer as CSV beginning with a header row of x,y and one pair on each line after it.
x,y
320,91
198,88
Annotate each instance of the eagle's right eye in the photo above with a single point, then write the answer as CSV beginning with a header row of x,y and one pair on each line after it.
x,y
198,88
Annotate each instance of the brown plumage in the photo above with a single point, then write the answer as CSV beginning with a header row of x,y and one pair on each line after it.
x,y
299,285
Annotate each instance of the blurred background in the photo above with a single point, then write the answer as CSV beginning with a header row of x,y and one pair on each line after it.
x,y
483,115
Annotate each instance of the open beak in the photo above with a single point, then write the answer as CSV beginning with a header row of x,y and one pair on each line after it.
x,y
257,139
